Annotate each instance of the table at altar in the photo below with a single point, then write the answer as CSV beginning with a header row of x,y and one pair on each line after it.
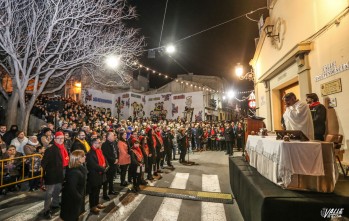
x,y
294,165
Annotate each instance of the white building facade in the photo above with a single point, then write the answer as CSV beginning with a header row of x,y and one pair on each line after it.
x,y
307,51
187,98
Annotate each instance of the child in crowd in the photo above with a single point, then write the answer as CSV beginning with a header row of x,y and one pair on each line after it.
x,y
34,164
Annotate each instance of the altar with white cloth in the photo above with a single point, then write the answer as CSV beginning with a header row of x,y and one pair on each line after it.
x,y
295,164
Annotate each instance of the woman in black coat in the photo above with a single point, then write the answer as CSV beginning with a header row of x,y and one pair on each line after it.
x,y
73,192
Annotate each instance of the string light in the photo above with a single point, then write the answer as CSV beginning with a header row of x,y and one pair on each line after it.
x,y
191,84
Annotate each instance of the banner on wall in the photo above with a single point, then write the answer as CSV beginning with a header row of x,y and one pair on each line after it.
x,y
185,106
98,99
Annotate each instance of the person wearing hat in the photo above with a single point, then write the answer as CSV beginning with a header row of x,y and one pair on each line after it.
x,y
297,116
136,165
318,113
53,163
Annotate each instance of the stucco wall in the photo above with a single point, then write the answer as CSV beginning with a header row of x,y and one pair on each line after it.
x,y
299,21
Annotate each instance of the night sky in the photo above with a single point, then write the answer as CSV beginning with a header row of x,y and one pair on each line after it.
x,y
214,52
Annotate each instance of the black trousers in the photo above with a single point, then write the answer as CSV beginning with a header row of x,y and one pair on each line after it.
x,y
110,178
123,172
182,155
168,156
229,145
158,159
149,167
136,177
93,196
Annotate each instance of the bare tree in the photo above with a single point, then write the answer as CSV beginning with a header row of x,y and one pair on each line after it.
x,y
41,40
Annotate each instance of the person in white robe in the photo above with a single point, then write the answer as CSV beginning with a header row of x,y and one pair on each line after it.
x,y
298,116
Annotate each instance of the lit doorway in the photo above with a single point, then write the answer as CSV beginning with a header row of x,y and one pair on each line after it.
x,y
278,105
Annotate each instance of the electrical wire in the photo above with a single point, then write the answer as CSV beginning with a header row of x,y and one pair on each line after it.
x,y
210,28
223,23
251,19
163,22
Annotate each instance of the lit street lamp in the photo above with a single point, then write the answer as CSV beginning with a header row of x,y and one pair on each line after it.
x,y
170,49
112,61
239,71
231,94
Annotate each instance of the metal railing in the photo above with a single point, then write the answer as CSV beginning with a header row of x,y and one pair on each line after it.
x,y
26,172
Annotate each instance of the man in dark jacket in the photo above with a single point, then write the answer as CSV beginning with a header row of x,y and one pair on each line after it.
x,y
168,145
183,144
199,133
81,143
318,113
53,163
110,151
10,135
229,137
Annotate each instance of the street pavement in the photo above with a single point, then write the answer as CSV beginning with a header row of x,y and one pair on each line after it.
x,y
210,173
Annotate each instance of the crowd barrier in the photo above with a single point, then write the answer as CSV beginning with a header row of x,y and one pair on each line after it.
x,y
25,166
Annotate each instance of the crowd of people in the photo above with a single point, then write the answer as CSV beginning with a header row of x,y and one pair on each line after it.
x,y
83,150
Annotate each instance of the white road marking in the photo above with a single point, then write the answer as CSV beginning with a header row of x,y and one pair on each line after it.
x,y
12,199
28,214
122,212
169,209
211,211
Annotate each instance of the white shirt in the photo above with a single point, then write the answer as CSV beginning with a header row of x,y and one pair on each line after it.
x,y
298,117
19,145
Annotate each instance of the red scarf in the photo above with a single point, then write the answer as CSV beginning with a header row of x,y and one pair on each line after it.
x,y
138,153
213,132
158,135
64,153
154,141
100,157
146,149
314,104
